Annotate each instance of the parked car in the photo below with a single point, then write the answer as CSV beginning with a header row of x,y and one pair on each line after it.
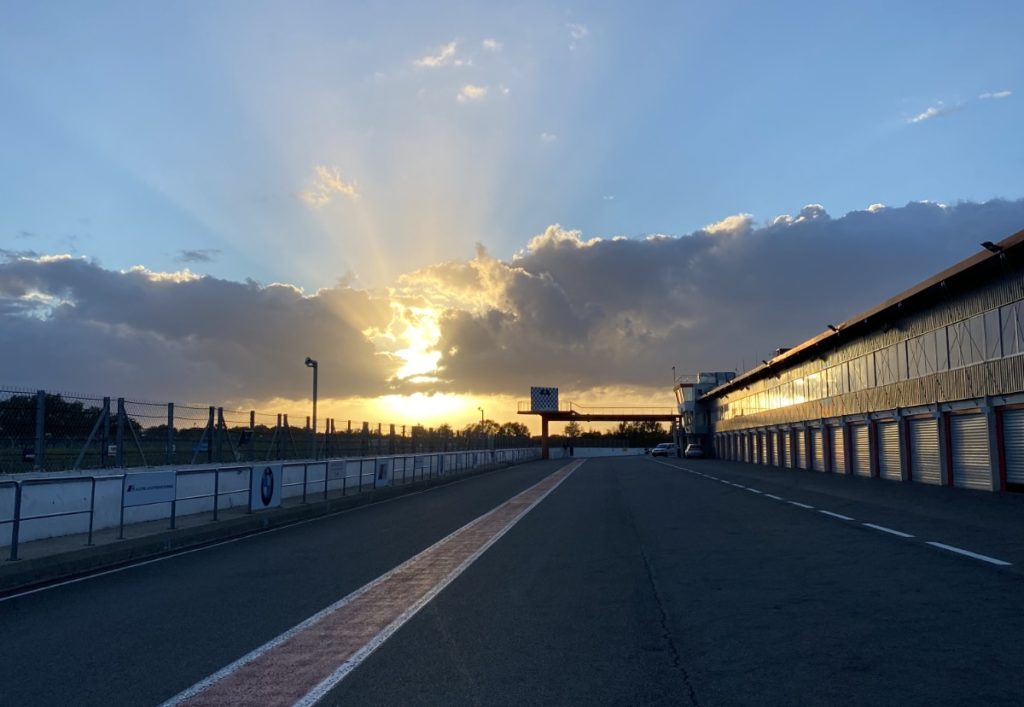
x,y
665,449
694,451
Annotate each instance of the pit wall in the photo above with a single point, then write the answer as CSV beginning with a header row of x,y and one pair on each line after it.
x,y
69,491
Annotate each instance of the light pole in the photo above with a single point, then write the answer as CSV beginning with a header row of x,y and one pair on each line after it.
x,y
481,416
673,375
310,363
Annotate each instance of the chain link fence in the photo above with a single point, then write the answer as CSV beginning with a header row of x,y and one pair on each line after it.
x,y
46,431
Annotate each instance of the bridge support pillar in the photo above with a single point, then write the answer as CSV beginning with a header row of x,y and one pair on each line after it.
x,y
544,446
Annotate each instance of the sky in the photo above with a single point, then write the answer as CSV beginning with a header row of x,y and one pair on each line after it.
x,y
445,203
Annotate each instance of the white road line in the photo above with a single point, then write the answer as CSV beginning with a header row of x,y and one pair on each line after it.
x,y
968,553
840,516
739,486
753,490
888,530
802,505
352,663
777,498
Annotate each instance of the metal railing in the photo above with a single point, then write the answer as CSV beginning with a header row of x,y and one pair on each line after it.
x,y
18,519
371,473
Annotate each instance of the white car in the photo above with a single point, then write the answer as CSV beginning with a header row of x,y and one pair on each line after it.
x,y
665,449
694,451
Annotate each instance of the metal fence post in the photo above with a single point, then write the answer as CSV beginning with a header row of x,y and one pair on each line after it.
x,y
120,433
305,476
252,435
169,457
120,532
104,432
211,431
39,462
92,508
16,526
216,491
220,427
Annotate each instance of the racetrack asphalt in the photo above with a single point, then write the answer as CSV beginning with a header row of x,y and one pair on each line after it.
x,y
634,582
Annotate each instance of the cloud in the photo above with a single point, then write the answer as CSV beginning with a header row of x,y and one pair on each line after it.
x,y
492,45
997,95
577,31
326,185
588,313
548,137
182,337
935,111
445,56
471,93
200,255
585,313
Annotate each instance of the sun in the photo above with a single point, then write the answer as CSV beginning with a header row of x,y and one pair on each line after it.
x,y
420,333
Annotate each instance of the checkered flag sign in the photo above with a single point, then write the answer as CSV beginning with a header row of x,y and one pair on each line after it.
x,y
544,399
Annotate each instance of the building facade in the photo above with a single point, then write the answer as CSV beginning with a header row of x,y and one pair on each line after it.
x,y
926,387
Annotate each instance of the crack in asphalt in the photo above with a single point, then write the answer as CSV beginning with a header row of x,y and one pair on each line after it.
x,y
666,632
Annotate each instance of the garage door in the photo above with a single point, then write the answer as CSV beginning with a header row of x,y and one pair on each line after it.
x,y
972,464
838,450
817,449
769,448
786,448
801,449
889,450
924,451
760,447
1013,445
861,453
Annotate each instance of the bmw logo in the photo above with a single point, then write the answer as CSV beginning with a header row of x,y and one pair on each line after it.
x,y
267,486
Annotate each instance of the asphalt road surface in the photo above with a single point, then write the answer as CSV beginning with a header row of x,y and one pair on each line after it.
x,y
634,581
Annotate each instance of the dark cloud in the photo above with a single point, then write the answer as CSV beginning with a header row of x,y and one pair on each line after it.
x,y
69,323
202,255
623,311
616,313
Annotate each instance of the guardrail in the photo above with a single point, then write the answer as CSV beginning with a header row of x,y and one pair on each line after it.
x,y
370,473
19,494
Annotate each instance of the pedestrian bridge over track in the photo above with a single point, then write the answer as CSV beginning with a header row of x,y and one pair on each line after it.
x,y
575,412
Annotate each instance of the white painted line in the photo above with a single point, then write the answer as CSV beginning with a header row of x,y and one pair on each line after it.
x,y
888,530
802,505
385,633
968,553
739,486
777,498
840,516
753,490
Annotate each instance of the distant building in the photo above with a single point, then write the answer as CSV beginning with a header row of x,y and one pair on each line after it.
x,y
926,387
689,389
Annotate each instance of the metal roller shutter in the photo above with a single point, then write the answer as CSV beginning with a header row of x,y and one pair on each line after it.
x,y
838,450
861,450
1013,445
972,464
889,450
760,448
818,449
924,451
786,446
801,449
748,448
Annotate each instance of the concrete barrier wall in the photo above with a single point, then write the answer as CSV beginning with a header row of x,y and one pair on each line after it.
x,y
68,491
587,452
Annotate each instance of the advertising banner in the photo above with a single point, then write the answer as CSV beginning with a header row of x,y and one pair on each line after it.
x,y
146,487
265,491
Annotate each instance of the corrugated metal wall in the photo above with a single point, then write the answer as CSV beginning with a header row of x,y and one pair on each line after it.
x,y
972,464
817,449
838,449
924,451
889,459
861,450
1013,444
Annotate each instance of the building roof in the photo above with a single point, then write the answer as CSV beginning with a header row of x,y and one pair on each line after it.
x,y
977,267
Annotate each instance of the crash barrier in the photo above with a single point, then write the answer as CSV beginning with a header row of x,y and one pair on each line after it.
x,y
73,504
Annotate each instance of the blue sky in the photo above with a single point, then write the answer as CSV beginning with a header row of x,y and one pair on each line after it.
x,y
427,196
132,132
